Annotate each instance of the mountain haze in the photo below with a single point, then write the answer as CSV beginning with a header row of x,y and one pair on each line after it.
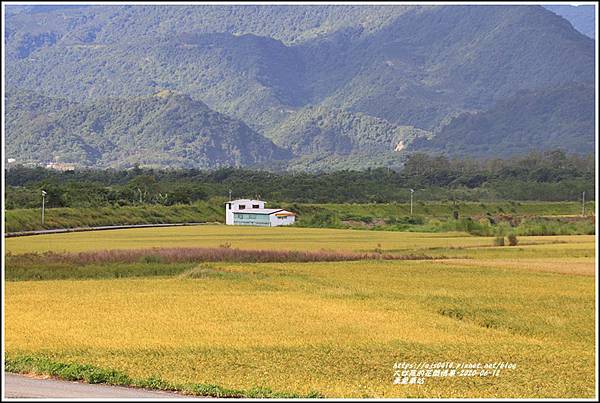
x,y
343,83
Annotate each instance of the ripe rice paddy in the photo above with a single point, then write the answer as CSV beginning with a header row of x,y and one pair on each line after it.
x,y
281,238
336,328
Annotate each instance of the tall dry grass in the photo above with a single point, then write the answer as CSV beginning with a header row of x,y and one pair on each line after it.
x,y
192,255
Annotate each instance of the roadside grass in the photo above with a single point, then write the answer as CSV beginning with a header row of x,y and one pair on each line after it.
x,y
40,365
29,219
541,218
443,209
546,226
480,219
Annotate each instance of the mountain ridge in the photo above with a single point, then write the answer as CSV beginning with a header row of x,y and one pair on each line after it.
x,y
412,67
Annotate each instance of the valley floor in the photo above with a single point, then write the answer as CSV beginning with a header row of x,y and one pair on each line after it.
x,y
333,329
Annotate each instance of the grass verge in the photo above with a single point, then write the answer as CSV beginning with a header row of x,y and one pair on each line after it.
x,y
67,217
525,218
40,365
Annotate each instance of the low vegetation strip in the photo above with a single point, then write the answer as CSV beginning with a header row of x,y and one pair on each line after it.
x,y
40,365
38,272
151,262
19,220
196,255
478,218
483,219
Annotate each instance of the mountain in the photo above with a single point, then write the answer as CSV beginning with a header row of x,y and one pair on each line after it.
x,y
556,118
166,129
582,17
367,71
119,24
327,134
432,64
424,65
250,77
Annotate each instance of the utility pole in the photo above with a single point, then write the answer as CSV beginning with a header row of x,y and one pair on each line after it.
x,y
229,194
583,204
412,191
43,205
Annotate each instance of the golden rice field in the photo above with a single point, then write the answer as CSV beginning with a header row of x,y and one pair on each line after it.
x,y
332,327
266,238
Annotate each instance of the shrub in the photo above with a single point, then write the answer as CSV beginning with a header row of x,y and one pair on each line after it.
x,y
391,220
469,226
152,259
320,219
414,220
365,219
512,240
499,241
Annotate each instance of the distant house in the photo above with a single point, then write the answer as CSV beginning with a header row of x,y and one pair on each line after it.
x,y
60,166
253,212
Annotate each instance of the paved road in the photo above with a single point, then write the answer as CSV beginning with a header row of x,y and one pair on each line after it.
x,y
19,386
102,228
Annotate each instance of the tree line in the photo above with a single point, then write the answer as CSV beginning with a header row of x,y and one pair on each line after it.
x,y
543,176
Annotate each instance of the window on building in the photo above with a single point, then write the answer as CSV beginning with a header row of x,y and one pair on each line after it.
x,y
255,206
242,206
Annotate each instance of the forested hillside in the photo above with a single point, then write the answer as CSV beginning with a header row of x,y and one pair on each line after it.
x,y
337,86
559,117
166,129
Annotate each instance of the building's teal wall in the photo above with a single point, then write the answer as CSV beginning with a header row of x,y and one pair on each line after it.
x,y
251,219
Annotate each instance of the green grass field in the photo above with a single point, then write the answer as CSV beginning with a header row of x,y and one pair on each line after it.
x,y
430,216
445,209
30,219
332,329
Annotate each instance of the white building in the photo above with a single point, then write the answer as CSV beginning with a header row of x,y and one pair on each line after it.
x,y
253,212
